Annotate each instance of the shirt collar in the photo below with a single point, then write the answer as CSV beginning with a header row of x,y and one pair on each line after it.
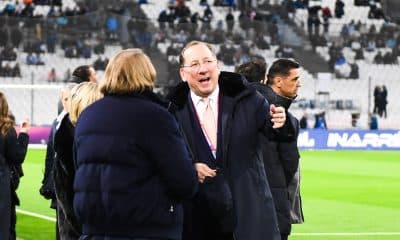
x,y
213,96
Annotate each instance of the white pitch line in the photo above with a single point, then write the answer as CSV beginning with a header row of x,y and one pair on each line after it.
x,y
349,234
36,215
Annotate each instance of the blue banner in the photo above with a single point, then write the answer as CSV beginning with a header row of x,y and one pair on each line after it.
x,y
349,139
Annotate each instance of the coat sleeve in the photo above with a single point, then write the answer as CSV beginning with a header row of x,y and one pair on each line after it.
x,y
49,159
289,156
285,133
172,158
47,188
10,152
22,147
289,153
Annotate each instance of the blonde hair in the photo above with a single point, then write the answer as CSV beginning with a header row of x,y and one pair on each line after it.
x,y
81,96
5,121
128,71
66,95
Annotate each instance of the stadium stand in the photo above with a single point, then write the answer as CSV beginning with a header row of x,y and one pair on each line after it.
x,y
79,32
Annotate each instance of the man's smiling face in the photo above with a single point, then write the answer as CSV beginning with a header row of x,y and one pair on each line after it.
x,y
200,69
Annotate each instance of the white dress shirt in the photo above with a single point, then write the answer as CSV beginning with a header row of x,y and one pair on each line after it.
x,y
200,107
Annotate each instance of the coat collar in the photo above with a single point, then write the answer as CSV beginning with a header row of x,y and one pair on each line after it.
x,y
147,94
230,84
271,96
280,100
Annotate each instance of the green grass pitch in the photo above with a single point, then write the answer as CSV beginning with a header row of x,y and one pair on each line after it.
x,y
346,195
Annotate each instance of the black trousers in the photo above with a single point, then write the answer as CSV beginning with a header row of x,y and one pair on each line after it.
x,y
13,222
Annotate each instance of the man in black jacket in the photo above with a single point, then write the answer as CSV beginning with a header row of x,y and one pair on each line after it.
x,y
281,159
221,119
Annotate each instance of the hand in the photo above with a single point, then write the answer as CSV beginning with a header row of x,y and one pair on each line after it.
x,y
25,126
278,115
204,171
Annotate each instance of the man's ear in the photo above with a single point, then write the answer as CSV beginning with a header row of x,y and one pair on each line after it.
x,y
182,74
219,64
278,81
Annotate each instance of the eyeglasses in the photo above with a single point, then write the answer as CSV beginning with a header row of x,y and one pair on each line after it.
x,y
195,66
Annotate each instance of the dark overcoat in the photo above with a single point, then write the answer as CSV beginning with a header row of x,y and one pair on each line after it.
x,y
281,161
243,115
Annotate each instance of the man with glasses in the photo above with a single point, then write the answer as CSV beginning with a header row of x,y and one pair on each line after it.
x,y
221,120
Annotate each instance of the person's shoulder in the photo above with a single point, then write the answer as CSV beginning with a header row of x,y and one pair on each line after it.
x,y
157,110
11,133
233,84
148,103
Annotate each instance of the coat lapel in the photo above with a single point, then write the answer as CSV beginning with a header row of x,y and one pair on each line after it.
x,y
224,127
186,121
194,135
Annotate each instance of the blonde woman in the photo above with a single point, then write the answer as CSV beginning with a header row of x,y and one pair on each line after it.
x,y
75,101
133,168
82,95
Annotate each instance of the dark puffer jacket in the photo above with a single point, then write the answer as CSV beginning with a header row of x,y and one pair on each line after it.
x,y
133,169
